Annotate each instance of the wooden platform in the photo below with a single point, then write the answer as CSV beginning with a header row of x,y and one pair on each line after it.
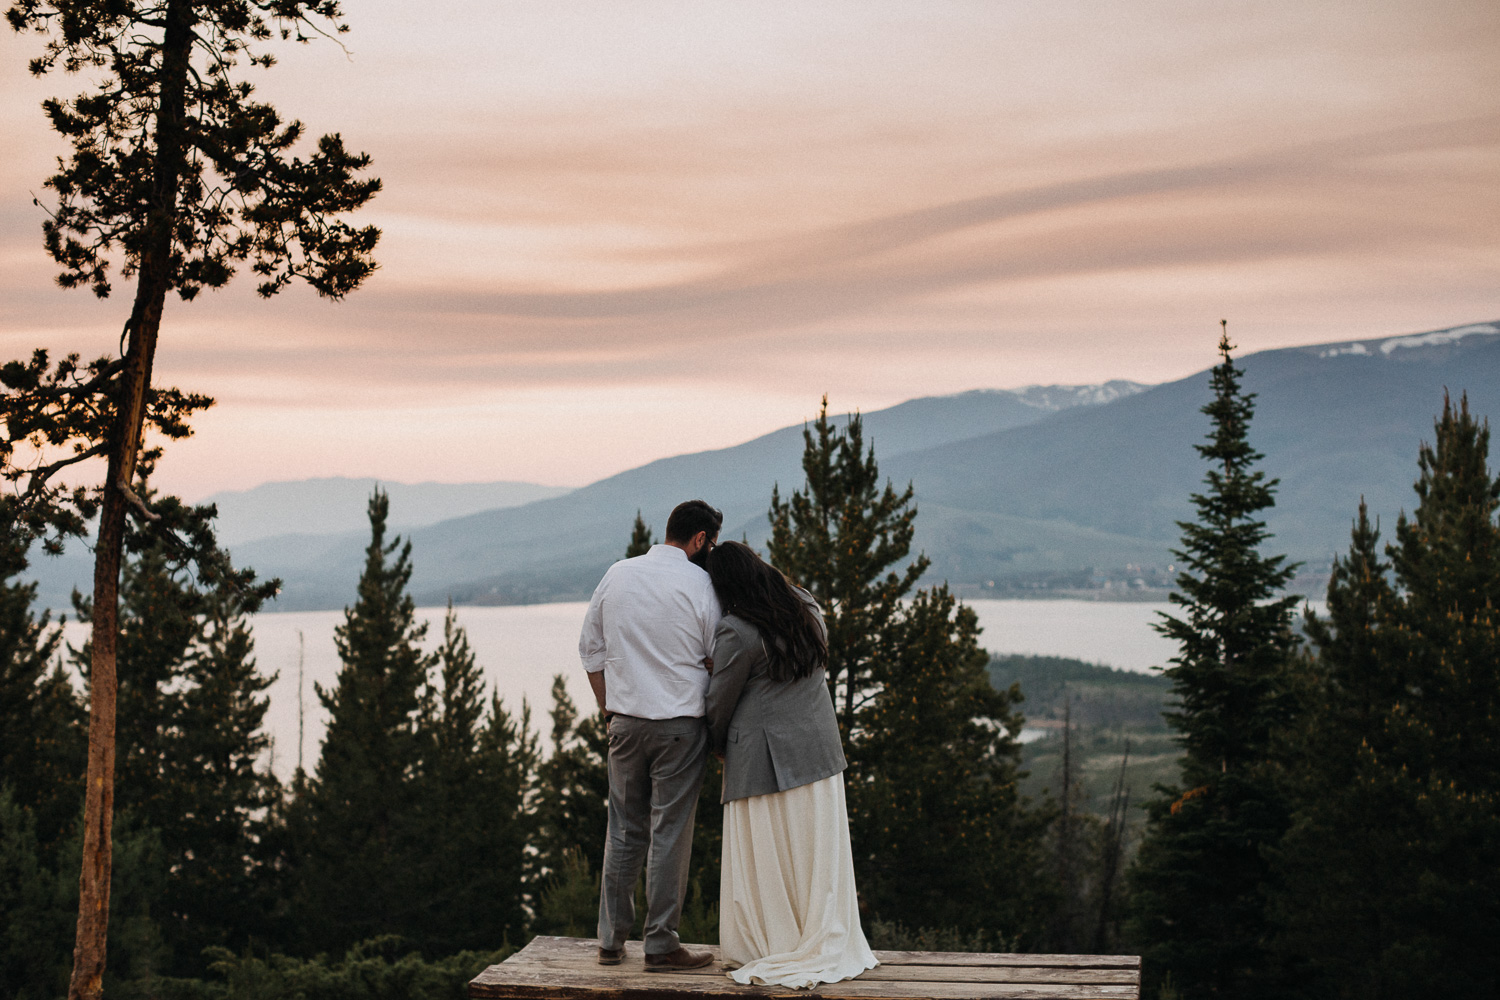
x,y
559,967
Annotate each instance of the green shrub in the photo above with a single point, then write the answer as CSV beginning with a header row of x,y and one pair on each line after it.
x,y
379,969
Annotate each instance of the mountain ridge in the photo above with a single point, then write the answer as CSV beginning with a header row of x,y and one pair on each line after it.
x,y
1040,487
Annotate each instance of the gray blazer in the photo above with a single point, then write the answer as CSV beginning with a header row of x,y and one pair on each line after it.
x,y
773,735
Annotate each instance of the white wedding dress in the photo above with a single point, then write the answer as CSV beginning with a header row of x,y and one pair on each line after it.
x,y
788,915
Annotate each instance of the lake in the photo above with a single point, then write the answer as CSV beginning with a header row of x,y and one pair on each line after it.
x,y
522,647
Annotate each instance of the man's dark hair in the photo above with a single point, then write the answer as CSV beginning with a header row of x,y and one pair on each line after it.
x,y
692,517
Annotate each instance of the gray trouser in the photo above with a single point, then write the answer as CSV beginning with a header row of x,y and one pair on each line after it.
x,y
655,773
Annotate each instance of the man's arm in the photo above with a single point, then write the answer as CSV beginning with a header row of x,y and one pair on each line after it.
x,y
596,681
591,639
591,648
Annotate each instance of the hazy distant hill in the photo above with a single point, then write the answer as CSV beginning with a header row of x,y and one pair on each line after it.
x,y
303,519
335,505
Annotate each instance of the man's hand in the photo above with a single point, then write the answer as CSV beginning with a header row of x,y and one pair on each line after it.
x,y
708,664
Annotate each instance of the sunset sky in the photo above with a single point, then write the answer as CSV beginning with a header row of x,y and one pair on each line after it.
x,y
618,231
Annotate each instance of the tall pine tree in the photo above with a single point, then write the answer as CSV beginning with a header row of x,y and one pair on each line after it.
x,y
940,836
1200,880
224,791
840,537
355,828
1389,872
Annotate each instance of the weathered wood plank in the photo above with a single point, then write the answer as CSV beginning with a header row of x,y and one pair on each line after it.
x,y
1001,959
556,968
586,946
560,985
887,973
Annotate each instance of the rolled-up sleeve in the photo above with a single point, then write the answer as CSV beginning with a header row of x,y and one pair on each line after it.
x,y
591,641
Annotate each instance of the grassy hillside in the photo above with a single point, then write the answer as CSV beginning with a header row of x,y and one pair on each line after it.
x,y
1099,695
1109,707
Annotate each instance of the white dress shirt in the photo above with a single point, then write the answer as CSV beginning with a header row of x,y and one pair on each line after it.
x,y
649,627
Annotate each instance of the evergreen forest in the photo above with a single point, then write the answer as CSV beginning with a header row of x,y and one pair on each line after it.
x,y
440,828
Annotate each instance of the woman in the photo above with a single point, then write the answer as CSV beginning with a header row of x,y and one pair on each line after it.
x,y
787,909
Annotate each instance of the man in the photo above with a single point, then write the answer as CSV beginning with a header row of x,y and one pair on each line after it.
x,y
645,644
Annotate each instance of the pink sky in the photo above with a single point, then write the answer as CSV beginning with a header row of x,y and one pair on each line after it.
x,y
619,231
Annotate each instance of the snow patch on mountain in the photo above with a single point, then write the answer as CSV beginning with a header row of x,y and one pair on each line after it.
x,y
1434,339
1334,352
1438,337
1064,397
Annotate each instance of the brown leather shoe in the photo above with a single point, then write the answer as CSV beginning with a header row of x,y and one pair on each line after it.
x,y
676,961
608,957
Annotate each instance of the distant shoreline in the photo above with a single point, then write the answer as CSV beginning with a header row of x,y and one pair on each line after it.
x,y
1139,595
963,591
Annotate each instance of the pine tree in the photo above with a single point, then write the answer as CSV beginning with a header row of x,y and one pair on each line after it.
x,y
34,929
41,745
355,827
1323,898
26,648
39,904
572,792
839,537
1388,873
640,538
1446,559
476,768
1200,879
941,836
223,791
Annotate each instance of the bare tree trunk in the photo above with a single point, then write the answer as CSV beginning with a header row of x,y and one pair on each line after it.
x,y
99,798
98,810
1066,846
155,277
1114,845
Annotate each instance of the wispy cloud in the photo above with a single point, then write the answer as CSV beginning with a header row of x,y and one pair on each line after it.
x,y
880,200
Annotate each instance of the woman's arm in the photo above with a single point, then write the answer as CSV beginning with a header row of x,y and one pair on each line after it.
x,y
732,662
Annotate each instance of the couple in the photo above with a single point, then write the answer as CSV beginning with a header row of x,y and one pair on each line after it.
x,y
693,648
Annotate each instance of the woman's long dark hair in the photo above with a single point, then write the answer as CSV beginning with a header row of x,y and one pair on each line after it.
x,y
757,592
